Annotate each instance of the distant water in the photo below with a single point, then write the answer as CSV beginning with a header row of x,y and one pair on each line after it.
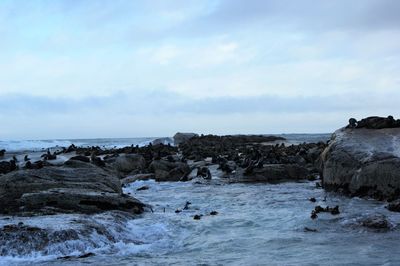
x,y
38,145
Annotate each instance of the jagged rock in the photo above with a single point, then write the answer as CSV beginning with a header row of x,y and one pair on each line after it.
x,y
363,162
75,187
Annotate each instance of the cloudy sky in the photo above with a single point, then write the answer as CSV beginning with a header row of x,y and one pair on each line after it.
x,y
81,69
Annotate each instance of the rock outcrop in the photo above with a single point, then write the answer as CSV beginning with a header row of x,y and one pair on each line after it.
x,y
75,187
363,162
180,138
272,173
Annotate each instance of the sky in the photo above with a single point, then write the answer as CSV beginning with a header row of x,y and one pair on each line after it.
x,y
121,68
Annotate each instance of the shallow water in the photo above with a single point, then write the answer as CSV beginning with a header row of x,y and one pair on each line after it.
x,y
257,224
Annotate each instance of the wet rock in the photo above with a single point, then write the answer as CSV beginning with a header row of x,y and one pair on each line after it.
x,y
313,200
213,213
204,172
131,179
273,173
197,217
377,221
81,158
142,188
394,206
169,171
75,187
363,162
306,229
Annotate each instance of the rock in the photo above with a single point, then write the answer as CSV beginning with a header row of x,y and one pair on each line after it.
x,y
180,138
164,141
131,179
394,206
128,164
313,200
213,213
142,188
197,217
81,158
6,167
74,187
376,122
363,162
169,171
273,173
377,221
204,172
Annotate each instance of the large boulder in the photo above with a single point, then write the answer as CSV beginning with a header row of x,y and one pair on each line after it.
x,y
75,187
363,162
272,173
128,163
170,171
180,138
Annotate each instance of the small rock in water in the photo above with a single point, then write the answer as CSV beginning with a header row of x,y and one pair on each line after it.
x,y
142,188
314,215
213,213
306,229
177,211
86,255
394,206
335,211
197,217
313,200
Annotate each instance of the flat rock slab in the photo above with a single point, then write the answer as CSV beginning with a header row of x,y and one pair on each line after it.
x,y
75,187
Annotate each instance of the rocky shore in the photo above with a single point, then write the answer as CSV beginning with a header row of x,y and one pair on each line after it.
x,y
361,159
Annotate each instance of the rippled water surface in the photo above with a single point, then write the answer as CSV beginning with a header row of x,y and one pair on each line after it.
x,y
257,224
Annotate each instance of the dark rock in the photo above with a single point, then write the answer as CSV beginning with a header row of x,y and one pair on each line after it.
x,y
142,188
178,211
169,171
313,200
378,222
273,173
394,206
213,213
204,172
7,167
81,158
74,187
197,217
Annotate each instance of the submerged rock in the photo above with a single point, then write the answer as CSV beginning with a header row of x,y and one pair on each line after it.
x,y
75,187
363,162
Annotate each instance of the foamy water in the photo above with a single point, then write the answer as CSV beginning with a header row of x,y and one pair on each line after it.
x,y
257,224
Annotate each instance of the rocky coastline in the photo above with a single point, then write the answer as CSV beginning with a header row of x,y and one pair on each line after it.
x,y
361,159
